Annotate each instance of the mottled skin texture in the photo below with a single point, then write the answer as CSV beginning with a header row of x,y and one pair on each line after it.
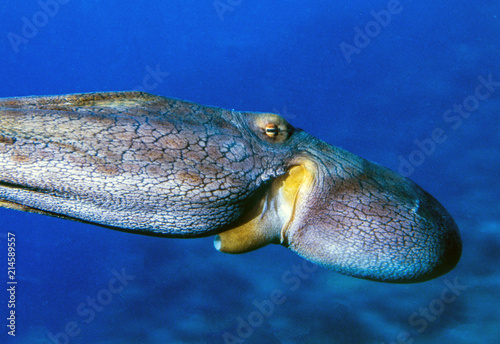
x,y
160,166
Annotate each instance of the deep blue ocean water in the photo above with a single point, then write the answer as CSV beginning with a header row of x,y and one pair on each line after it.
x,y
374,77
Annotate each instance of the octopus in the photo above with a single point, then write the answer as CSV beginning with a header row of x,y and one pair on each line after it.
x,y
165,167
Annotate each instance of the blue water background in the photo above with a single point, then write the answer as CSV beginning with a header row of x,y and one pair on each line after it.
x,y
283,57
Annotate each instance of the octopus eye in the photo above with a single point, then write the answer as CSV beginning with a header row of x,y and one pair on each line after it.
x,y
272,130
269,127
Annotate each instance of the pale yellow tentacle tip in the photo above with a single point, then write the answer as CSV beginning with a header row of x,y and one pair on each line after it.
x,y
217,243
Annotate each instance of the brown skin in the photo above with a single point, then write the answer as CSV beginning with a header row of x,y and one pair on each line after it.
x,y
159,166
